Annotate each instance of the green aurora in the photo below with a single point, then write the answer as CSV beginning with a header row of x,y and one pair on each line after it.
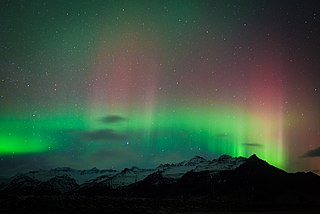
x,y
218,132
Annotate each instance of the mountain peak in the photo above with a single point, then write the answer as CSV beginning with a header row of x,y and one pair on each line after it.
x,y
195,160
94,170
254,157
224,157
197,157
132,169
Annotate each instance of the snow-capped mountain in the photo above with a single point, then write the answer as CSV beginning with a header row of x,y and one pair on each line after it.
x,y
198,164
126,177
223,163
81,176
169,172
176,171
64,179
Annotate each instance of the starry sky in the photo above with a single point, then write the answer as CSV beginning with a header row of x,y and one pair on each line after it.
x,y
112,84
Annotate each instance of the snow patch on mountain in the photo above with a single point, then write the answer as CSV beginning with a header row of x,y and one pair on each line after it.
x,y
197,164
127,176
223,163
81,176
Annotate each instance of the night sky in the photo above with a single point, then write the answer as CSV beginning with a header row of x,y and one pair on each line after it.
x,y
112,84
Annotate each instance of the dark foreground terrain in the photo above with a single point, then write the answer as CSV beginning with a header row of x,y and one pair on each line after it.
x,y
103,204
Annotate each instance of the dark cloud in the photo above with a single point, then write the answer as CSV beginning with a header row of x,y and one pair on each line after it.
x,y
253,144
112,119
222,135
312,153
103,134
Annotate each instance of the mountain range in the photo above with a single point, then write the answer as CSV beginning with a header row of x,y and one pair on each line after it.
x,y
238,182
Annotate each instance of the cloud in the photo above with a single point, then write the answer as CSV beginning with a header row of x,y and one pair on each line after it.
x,y
312,153
103,134
222,135
112,119
253,144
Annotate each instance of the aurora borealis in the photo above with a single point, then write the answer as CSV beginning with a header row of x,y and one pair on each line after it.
x,y
119,83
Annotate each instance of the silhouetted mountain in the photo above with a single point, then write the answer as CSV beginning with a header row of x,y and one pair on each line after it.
x,y
226,180
3,182
81,176
57,185
21,184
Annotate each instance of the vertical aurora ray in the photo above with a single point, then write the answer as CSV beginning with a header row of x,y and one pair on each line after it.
x,y
267,103
128,83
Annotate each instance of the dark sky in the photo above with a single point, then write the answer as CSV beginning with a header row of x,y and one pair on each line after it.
x,y
119,83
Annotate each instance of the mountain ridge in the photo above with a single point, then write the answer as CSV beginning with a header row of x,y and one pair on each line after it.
x,y
225,184
230,176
